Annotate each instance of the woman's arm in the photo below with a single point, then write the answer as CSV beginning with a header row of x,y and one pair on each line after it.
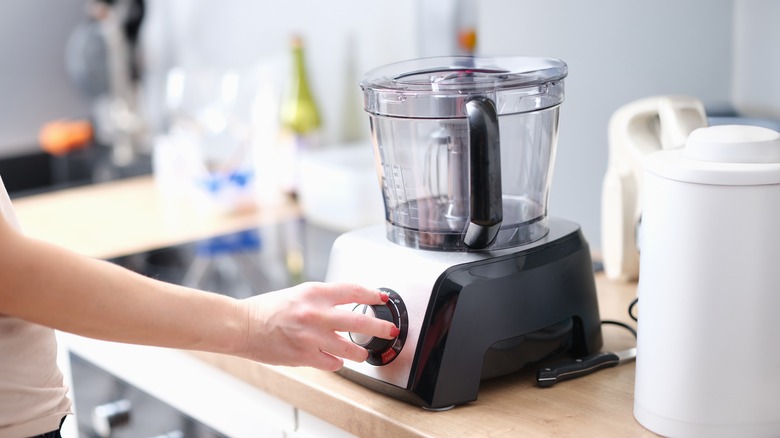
x,y
52,286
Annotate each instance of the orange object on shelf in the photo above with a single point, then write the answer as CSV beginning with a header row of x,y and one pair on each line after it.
x,y
62,136
467,39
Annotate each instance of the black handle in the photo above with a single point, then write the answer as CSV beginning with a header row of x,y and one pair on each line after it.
x,y
551,375
485,173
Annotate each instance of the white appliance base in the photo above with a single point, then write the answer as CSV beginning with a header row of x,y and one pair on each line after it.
x,y
665,426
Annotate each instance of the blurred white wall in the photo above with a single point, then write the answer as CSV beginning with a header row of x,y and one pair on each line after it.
x,y
343,38
617,51
34,87
721,51
756,62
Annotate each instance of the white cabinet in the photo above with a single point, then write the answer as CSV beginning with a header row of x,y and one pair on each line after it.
x,y
211,396
310,426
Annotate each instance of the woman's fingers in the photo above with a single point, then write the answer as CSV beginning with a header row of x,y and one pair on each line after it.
x,y
358,322
325,361
330,356
355,322
345,293
340,346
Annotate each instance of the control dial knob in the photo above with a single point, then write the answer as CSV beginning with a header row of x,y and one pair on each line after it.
x,y
368,342
383,351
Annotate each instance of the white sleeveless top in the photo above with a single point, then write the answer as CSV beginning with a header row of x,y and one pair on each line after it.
x,y
32,393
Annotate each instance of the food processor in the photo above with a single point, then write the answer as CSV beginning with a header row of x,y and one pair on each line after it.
x,y
482,282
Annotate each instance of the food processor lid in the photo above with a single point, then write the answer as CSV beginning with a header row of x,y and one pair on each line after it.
x,y
439,87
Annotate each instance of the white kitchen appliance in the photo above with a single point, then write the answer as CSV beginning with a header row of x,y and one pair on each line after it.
x,y
482,282
708,286
635,130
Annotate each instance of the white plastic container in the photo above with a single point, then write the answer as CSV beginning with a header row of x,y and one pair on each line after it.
x,y
709,286
338,187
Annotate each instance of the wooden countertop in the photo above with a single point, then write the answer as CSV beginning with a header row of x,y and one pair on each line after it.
x,y
600,404
129,216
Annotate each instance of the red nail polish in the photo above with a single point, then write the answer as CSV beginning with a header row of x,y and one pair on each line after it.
x,y
384,296
395,331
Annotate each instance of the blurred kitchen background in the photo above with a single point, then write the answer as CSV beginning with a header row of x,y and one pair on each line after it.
x,y
185,59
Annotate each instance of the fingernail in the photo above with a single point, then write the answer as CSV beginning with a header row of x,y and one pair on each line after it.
x,y
395,331
384,296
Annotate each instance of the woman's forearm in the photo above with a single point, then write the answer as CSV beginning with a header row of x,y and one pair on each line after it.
x,y
52,286
57,288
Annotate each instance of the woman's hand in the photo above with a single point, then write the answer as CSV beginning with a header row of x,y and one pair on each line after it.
x,y
297,326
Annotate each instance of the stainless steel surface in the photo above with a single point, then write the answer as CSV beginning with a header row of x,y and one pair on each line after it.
x,y
626,355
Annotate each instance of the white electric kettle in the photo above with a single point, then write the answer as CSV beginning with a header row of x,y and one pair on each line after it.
x,y
709,285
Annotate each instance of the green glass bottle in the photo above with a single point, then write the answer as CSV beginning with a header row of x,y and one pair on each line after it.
x,y
299,118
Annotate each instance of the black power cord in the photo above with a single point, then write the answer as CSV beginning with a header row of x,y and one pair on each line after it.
x,y
631,314
621,324
631,309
